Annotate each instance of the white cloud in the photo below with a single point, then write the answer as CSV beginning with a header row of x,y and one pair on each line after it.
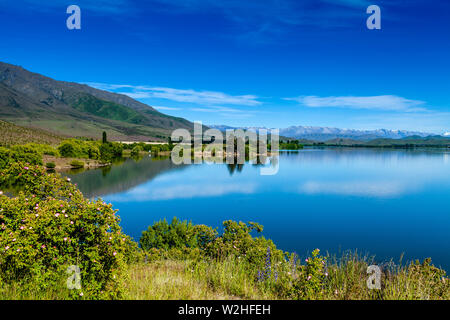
x,y
165,108
385,102
216,109
187,191
181,95
376,189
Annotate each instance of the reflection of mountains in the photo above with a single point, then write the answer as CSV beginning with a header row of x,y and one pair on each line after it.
x,y
331,155
122,177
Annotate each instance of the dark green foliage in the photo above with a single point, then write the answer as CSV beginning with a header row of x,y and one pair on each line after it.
x,y
110,150
136,149
104,138
77,164
164,236
25,153
235,240
50,165
5,157
290,145
76,148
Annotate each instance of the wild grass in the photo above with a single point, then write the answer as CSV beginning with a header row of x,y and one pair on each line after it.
x,y
233,279
170,280
32,291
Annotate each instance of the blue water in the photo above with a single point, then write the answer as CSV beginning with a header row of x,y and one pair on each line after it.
x,y
382,202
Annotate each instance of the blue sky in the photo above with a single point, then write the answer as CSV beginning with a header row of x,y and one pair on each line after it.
x,y
273,63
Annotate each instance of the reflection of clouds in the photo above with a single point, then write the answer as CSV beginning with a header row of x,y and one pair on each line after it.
x,y
356,188
151,192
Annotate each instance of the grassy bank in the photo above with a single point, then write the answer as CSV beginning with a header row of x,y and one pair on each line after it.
x,y
231,279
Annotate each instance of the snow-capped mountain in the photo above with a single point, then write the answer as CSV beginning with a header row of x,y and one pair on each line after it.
x,y
326,133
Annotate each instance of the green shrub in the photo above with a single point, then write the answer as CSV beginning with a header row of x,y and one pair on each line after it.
x,y
23,153
50,226
135,151
67,149
27,154
77,164
50,165
44,149
110,150
74,148
166,236
235,240
5,157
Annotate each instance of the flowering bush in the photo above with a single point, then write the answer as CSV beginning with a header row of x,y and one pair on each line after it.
x,y
311,280
50,226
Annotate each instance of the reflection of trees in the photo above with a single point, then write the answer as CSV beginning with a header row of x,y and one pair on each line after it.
x,y
106,170
232,167
235,167
121,177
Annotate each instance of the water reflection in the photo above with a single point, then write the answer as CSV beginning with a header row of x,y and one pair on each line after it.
x,y
385,202
121,176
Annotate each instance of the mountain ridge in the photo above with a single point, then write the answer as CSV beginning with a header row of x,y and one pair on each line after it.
x,y
329,133
34,100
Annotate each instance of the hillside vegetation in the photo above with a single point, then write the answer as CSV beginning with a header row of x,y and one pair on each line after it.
x,y
12,134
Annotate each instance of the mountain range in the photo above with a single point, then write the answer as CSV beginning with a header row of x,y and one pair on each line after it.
x,y
326,133
71,109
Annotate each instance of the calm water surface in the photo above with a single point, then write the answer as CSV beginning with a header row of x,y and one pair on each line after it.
x,y
380,202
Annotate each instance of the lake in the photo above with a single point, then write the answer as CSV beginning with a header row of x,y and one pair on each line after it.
x,y
380,202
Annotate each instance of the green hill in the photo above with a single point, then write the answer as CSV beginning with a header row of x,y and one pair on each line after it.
x,y
66,108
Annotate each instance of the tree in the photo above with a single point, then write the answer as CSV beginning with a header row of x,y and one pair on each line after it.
x,y
104,137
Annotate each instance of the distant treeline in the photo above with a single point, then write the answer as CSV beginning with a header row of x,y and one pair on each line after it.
x,y
405,143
